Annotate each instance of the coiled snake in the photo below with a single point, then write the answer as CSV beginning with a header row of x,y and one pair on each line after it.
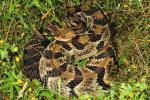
x,y
85,35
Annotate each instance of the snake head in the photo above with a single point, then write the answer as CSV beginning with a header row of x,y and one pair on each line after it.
x,y
61,33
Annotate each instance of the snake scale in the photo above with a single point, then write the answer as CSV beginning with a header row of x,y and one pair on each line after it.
x,y
85,35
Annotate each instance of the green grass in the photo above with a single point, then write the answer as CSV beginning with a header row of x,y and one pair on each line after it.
x,y
131,23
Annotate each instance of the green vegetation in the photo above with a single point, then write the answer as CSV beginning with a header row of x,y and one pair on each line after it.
x,y
131,24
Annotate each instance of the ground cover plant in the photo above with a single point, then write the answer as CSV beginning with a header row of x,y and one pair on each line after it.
x,y
19,19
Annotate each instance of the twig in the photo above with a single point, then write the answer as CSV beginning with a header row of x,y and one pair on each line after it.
x,y
141,56
141,40
20,94
46,14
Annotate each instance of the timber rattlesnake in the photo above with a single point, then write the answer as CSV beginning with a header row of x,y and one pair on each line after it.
x,y
85,35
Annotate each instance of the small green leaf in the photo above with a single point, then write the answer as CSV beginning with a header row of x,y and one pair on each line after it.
x,y
11,8
3,54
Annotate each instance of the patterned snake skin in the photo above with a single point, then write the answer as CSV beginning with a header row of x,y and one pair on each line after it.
x,y
85,35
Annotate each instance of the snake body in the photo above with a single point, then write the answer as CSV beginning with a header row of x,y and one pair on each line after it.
x,y
85,35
